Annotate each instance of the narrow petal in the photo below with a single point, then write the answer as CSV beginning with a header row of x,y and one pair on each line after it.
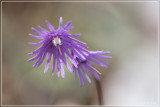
x,y
74,70
80,78
62,69
59,50
42,57
60,30
43,30
67,65
54,63
36,31
80,46
107,57
76,35
84,52
68,24
33,58
40,60
51,28
77,41
60,22
48,62
86,75
65,62
71,43
58,67
99,52
92,71
100,60
76,52
35,44
37,37
70,57
97,62
68,29
91,67
79,54
38,50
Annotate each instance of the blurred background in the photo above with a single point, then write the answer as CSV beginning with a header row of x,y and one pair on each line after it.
x,y
128,29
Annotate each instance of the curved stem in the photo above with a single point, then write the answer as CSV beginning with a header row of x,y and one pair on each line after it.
x,y
99,91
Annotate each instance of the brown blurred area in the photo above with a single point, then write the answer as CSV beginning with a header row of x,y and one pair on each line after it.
x,y
128,29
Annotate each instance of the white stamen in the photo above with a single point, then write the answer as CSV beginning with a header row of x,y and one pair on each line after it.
x,y
56,41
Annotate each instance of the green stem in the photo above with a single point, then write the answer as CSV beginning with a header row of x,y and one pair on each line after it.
x,y
99,91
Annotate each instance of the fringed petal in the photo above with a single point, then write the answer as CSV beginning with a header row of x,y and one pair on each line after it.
x,y
70,57
51,28
68,24
92,71
80,78
48,62
42,57
97,62
76,35
99,52
44,31
33,58
75,71
54,62
77,41
65,62
107,57
36,31
60,22
86,75
62,69
58,67
35,44
37,37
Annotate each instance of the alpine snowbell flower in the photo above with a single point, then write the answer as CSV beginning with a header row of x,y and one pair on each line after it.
x,y
60,44
57,43
85,66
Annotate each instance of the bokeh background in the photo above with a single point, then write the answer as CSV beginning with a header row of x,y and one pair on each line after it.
x,y
128,29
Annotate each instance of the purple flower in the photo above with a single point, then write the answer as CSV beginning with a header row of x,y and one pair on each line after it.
x,y
85,66
57,43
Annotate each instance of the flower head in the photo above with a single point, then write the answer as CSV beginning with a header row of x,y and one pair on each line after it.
x,y
57,43
85,66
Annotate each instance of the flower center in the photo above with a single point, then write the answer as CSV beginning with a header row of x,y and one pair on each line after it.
x,y
57,41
